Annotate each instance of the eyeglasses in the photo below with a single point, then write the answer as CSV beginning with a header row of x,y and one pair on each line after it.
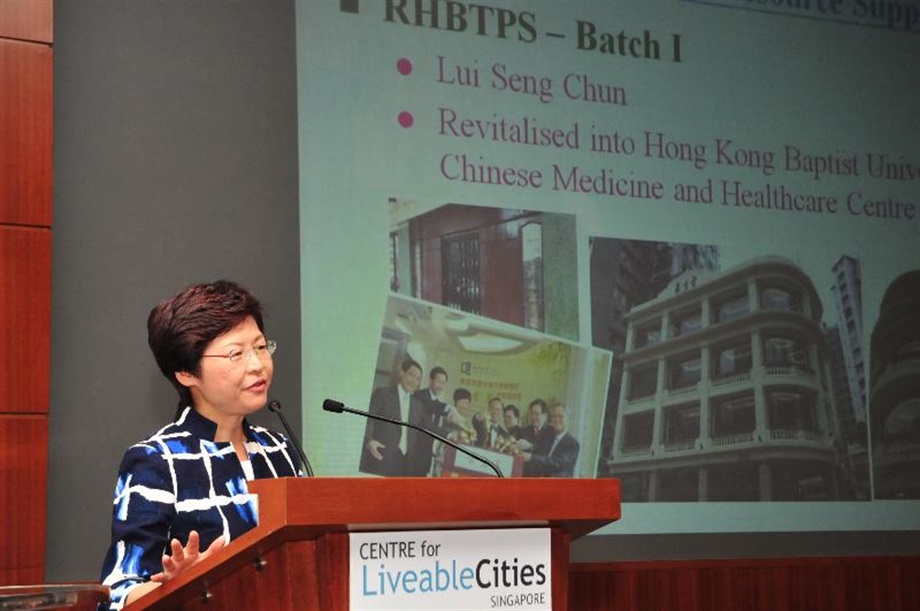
x,y
263,351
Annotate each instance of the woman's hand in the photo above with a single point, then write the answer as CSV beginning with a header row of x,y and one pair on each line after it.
x,y
184,557
181,559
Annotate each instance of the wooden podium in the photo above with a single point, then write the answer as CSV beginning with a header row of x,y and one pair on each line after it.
x,y
297,557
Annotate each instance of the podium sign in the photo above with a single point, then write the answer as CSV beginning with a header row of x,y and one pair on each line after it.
x,y
451,569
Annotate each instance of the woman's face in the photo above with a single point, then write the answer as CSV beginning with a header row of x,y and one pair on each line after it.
x,y
225,388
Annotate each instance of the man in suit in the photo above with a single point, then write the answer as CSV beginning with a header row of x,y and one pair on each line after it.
x,y
387,447
490,426
435,417
535,437
512,418
557,460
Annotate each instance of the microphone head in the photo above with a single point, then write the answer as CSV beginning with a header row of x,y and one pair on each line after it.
x,y
274,406
331,405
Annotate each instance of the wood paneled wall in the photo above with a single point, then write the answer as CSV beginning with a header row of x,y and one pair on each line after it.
x,y
789,584
25,284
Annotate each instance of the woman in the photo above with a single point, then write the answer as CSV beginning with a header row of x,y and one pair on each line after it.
x,y
183,489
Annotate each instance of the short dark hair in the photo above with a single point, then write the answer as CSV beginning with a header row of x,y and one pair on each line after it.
x,y
462,393
493,399
408,363
543,406
512,408
181,327
436,370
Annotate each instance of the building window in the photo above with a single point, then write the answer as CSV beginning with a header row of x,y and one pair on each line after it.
x,y
733,416
801,480
634,487
394,261
615,341
648,334
782,351
643,381
460,272
416,270
791,410
780,298
903,423
684,371
638,430
908,351
682,425
532,260
678,486
732,307
687,322
737,481
732,359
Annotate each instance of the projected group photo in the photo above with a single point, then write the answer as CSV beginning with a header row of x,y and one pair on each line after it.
x,y
529,403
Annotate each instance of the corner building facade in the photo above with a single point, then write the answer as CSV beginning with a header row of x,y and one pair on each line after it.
x,y
894,407
726,391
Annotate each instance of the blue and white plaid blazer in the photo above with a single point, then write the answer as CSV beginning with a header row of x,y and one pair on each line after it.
x,y
179,480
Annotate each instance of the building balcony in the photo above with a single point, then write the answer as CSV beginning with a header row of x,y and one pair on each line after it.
x,y
785,437
638,403
886,454
638,452
789,370
682,391
778,444
731,440
680,446
731,379
795,435
895,381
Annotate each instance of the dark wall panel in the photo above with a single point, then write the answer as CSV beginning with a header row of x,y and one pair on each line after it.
x,y
25,319
25,131
175,161
23,479
25,285
26,20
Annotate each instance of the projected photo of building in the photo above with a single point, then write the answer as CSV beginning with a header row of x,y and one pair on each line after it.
x,y
516,266
848,373
894,406
722,386
624,274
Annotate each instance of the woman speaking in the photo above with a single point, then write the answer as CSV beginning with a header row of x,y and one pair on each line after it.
x,y
181,493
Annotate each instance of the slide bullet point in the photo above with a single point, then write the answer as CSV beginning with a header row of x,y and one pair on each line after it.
x,y
405,119
404,66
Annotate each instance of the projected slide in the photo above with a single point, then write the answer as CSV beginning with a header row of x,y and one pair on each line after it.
x,y
690,229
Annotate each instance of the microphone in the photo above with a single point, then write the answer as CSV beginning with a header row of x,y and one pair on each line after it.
x,y
337,407
274,406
